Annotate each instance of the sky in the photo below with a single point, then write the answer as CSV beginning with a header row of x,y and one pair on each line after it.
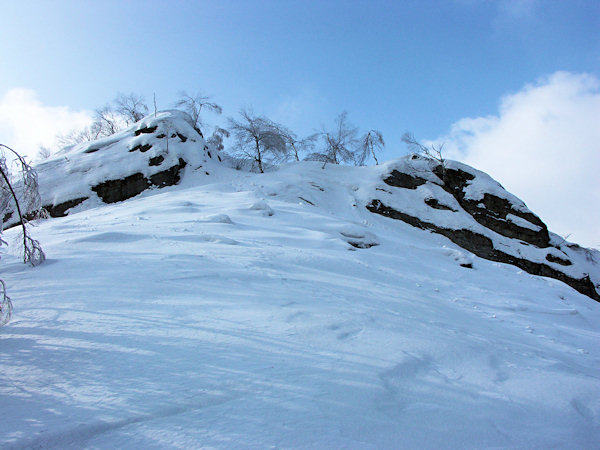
x,y
511,87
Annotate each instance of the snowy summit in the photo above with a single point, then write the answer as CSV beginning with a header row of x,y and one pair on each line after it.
x,y
187,304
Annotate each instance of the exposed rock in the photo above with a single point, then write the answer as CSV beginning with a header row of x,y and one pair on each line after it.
x,y
61,209
361,244
492,211
113,191
435,204
141,147
156,160
558,260
168,177
404,180
145,130
483,247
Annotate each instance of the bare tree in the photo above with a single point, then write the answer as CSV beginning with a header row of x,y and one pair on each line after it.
x,y
18,193
340,143
297,145
87,134
369,144
193,105
434,151
131,107
107,121
258,138
216,140
44,153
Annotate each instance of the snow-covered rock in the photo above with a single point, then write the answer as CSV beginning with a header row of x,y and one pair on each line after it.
x,y
477,213
152,153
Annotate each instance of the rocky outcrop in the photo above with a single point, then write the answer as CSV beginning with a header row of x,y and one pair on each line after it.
x,y
152,153
483,247
476,213
491,211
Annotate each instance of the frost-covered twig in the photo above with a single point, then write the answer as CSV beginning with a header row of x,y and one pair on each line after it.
x,y
29,203
5,305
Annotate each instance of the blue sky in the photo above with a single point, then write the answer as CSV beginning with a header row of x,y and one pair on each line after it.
x,y
395,66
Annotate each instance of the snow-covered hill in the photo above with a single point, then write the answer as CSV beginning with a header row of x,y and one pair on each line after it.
x,y
291,309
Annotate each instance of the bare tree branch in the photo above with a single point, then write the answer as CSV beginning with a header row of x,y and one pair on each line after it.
x,y
131,106
193,105
258,138
340,143
369,144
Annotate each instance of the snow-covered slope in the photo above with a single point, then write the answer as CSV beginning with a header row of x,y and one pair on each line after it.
x,y
463,204
238,310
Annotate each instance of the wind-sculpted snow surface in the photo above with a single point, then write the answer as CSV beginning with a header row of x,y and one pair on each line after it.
x,y
255,311
238,310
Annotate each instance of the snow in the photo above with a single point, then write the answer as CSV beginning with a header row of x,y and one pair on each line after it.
x,y
230,312
519,221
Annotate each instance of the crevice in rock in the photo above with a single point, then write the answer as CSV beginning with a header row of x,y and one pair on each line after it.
x,y
435,204
558,260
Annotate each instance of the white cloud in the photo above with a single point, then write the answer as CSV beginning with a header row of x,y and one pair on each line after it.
x,y
25,123
543,146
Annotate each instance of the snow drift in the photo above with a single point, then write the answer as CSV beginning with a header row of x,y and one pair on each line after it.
x,y
292,309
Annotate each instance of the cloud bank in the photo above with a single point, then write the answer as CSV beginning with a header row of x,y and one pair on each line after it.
x,y
26,124
543,146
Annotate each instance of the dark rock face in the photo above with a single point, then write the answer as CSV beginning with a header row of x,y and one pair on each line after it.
x,y
494,210
145,130
435,204
483,247
142,148
404,180
156,161
113,191
475,243
61,209
168,177
558,260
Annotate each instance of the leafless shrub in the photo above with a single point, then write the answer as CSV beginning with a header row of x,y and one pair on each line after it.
x,y
369,144
339,143
131,107
258,138
193,105
434,151
18,193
